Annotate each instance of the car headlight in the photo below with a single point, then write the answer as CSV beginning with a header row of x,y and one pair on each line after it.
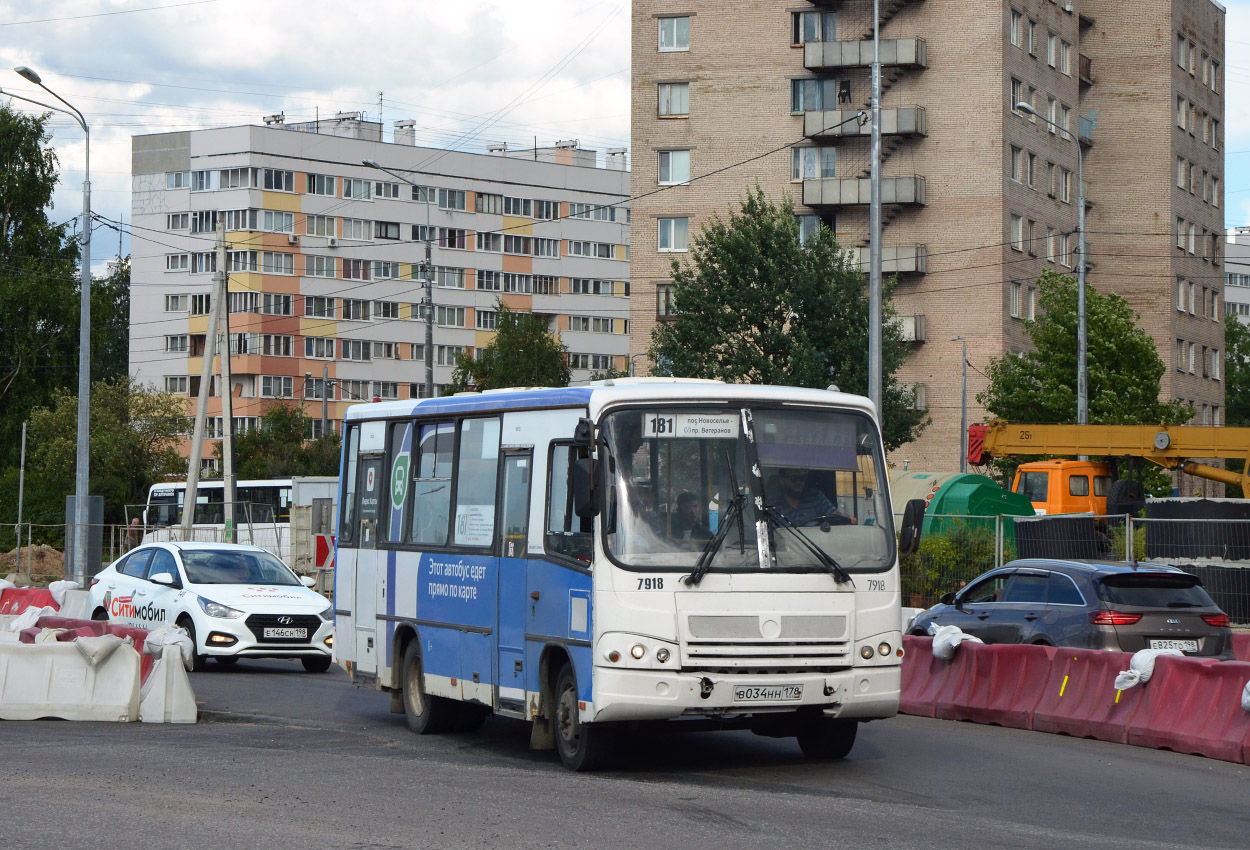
x,y
327,614
216,609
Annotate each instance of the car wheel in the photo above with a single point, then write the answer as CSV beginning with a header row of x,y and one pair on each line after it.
x,y
226,660
198,660
827,738
581,747
426,714
100,614
316,663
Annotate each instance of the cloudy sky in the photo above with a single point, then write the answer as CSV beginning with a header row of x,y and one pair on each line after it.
x,y
470,73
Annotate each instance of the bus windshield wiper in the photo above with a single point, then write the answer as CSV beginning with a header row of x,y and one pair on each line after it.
x,y
732,514
826,560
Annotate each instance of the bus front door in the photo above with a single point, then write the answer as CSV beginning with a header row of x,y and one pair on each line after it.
x,y
513,532
370,486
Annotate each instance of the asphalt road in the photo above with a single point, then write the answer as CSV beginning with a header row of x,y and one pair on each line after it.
x,y
283,758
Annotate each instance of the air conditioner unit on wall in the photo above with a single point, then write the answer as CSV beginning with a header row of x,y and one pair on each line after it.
x,y
332,242
1067,6
292,239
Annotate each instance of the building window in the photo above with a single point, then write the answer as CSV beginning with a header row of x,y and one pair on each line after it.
x,y
276,386
357,349
319,307
357,189
175,303
546,247
484,320
490,242
276,345
484,203
546,210
674,34
177,342
516,283
1065,185
385,190
177,179
489,281
356,228
674,99
316,266
449,317
279,181
200,304
383,270
674,234
812,95
178,221
176,384
386,309
451,199
319,348
355,309
810,163
203,221
177,262
674,167
814,26
322,184
241,261
518,207
356,269
1017,233
1017,29
545,284
385,351
243,302
276,304
319,225
203,181
276,263
386,230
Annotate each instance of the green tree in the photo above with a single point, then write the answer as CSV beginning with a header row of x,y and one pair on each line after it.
x,y
754,305
1236,386
1123,370
1122,365
279,447
38,291
524,353
110,324
134,437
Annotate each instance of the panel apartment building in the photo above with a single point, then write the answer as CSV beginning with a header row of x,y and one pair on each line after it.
x,y
978,195
324,258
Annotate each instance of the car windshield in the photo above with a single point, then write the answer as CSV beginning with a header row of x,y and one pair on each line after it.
x,y
209,566
1147,590
811,482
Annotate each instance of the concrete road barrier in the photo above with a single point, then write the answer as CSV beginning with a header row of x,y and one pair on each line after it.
x,y
55,680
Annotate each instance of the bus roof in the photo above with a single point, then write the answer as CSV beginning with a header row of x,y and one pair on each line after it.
x,y
601,394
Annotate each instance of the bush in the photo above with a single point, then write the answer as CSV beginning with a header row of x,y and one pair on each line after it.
x,y
952,553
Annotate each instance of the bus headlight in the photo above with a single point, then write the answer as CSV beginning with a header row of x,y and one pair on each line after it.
x,y
661,655
885,648
865,652
638,651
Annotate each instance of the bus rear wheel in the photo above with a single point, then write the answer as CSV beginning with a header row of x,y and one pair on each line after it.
x,y
581,747
827,738
426,714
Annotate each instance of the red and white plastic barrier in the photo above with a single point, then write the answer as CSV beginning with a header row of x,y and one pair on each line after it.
x,y
1190,705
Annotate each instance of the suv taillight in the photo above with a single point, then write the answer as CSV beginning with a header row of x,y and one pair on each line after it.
x,y
1219,620
1113,618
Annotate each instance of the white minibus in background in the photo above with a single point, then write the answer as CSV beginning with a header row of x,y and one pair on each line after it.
x,y
595,559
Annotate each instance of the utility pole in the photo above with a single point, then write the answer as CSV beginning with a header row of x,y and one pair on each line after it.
x,y
226,388
963,408
325,396
201,410
21,492
874,222
427,273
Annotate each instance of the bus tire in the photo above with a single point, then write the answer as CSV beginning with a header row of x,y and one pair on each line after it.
x,y
470,717
198,660
827,738
426,714
581,747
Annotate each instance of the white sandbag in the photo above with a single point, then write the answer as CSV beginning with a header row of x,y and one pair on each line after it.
x,y
946,639
157,641
5,584
58,588
1245,697
96,649
49,635
30,616
76,605
1141,667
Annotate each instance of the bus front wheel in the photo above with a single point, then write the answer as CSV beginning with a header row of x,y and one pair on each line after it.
x,y
426,714
827,738
581,747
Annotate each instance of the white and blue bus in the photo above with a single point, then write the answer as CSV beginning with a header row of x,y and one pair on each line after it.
x,y
598,557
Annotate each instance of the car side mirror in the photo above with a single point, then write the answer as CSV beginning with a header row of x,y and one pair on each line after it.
x,y
166,579
913,523
308,581
947,598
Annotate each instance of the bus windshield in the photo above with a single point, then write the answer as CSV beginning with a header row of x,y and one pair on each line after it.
x,y
811,482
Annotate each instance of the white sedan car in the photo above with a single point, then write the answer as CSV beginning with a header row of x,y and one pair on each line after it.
x,y
235,602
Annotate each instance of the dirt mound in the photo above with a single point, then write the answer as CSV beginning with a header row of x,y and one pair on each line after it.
x,y
40,563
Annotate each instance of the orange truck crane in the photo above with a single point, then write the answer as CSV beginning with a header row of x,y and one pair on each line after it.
x,y
1066,485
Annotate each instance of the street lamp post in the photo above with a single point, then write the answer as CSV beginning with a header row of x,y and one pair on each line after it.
x,y
429,282
83,455
963,408
1082,381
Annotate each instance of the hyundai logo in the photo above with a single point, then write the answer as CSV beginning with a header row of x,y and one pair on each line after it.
x,y
1172,622
285,620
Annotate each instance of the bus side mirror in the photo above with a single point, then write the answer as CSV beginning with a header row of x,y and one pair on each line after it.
x,y
913,521
585,495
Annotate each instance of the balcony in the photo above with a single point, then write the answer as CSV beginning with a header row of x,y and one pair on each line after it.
x,y
1085,130
911,328
1086,69
895,259
831,55
840,124
856,191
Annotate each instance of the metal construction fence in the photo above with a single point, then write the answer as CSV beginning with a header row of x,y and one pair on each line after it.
x,y
956,549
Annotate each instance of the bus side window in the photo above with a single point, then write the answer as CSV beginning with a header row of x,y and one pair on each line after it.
x,y
431,484
566,533
477,469
347,528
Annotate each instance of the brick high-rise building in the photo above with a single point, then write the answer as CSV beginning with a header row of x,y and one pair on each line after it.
x,y
979,196
324,256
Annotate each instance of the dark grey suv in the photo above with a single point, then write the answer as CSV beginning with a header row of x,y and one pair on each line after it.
x,y
1086,604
